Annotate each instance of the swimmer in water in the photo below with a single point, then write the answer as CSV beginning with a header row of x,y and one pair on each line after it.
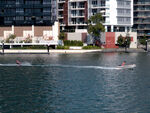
x,y
123,63
18,62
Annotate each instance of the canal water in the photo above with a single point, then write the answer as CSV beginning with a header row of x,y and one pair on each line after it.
x,y
74,83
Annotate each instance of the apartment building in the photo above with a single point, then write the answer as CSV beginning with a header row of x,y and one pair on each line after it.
x,y
27,12
73,14
142,18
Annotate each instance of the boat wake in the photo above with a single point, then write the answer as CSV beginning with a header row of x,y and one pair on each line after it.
x,y
26,64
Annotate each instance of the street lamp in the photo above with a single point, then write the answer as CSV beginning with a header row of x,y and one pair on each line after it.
x,y
146,45
126,45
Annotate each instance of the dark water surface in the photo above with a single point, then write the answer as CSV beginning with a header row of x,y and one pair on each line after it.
x,y
60,89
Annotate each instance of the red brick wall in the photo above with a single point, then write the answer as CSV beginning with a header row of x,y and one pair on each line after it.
x,y
66,36
38,30
65,13
18,31
131,39
110,40
84,37
86,11
2,29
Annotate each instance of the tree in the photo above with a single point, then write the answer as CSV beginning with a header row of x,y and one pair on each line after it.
x,y
124,41
10,38
143,40
127,40
61,36
120,41
95,26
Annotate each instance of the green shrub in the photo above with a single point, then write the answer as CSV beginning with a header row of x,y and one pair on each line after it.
x,y
10,38
62,36
73,43
143,40
124,41
62,47
91,47
31,47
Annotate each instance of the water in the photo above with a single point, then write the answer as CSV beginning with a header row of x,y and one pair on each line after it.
x,y
57,83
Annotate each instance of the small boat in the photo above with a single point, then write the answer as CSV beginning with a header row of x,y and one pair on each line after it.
x,y
127,66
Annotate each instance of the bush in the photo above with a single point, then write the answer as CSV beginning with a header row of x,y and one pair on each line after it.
x,y
10,38
91,47
28,40
73,43
124,41
31,47
62,36
62,47
143,40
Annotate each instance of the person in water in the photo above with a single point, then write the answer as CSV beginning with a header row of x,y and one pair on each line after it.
x,y
123,63
18,62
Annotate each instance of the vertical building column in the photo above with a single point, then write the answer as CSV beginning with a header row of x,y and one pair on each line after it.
x,y
126,29
130,29
33,30
106,29
13,29
112,28
86,11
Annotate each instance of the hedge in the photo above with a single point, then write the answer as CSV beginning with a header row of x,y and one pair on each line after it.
x,y
73,43
31,47
91,47
62,47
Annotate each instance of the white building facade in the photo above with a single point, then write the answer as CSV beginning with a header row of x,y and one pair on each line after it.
x,y
74,14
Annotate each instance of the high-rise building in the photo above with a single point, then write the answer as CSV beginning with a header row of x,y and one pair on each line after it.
x,y
26,12
73,14
142,17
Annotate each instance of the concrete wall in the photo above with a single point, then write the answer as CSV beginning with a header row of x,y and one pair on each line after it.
x,y
77,36
74,36
109,39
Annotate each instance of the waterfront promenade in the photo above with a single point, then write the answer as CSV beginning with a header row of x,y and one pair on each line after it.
x,y
44,51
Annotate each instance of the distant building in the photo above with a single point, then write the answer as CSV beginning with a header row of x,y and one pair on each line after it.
x,y
27,12
74,14
142,17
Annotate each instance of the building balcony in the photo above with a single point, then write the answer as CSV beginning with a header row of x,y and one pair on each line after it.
x,y
124,7
143,17
140,29
140,10
124,15
61,1
142,4
77,16
76,8
142,23
99,6
60,16
142,34
60,9
78,24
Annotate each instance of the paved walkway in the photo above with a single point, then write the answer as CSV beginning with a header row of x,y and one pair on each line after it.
x,y
35,51
13,51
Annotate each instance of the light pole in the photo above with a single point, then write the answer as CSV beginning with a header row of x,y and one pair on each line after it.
x,y
3,47
146,45
126,45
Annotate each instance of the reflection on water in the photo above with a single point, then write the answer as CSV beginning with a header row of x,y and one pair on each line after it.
x,y
58,89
